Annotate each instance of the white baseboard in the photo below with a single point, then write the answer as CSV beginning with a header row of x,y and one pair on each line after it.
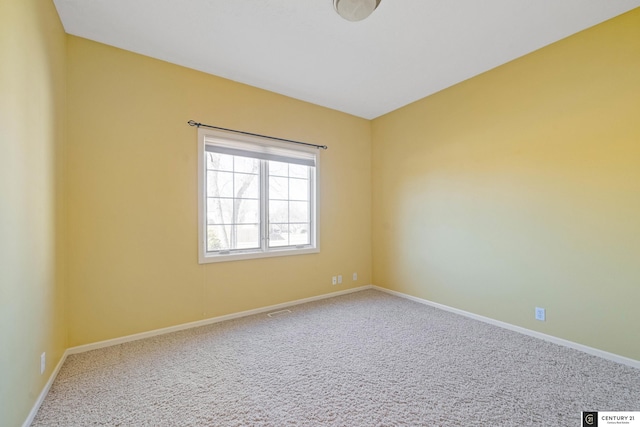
x,y
45,391
170,329
560,341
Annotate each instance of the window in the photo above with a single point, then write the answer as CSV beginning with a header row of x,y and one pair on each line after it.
x,y
257,197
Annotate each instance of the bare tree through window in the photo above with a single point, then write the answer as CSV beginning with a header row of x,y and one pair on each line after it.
x,y
233,202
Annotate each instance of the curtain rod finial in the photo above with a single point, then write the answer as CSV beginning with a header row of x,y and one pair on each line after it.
x,y
192,123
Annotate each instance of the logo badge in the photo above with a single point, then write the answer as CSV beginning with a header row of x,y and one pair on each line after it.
x,y
589,419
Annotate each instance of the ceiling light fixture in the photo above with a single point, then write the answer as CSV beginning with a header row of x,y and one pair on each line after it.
x,y
355,10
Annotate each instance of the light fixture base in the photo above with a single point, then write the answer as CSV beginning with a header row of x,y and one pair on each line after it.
x,y
355,10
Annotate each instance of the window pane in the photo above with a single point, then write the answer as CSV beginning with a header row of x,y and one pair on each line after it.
x,y
299,212
219,184
278,211
233,205
298,189
289,206
248,236
299,234
278,169
247,186
246,164
298,171
278,235
217,161
219,211
278,188
247,211
218,237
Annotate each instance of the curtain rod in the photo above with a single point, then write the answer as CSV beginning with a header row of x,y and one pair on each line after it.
x,y
193,123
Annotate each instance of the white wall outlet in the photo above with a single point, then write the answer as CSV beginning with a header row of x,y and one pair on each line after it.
x,y
43,362
340,279
540,314
355,276
334,280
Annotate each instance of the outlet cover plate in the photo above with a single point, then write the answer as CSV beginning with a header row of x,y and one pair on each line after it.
x,y
541,314
43,362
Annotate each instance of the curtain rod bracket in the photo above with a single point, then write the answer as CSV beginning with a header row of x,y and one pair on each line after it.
x,y
196,124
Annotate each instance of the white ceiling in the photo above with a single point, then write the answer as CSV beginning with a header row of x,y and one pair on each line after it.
x,y
406,50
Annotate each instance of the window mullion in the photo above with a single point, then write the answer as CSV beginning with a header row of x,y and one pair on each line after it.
x,y
289,204
264,205
311,198
234,215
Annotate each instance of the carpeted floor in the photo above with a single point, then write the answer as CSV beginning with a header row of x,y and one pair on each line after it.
x,y
363,359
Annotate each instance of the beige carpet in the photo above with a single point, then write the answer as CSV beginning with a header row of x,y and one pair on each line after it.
x,y
364,359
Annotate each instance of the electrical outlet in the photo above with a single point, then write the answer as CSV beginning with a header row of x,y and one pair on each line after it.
x,y
43,362
334,280
355,276
540,314
340,279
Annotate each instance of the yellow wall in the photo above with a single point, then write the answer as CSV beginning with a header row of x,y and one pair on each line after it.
x,y
521,188
32,106
132,195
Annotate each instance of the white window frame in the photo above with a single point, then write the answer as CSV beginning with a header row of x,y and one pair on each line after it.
x,y
215,137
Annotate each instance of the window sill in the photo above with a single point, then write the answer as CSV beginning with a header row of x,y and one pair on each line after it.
x,y
209,258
